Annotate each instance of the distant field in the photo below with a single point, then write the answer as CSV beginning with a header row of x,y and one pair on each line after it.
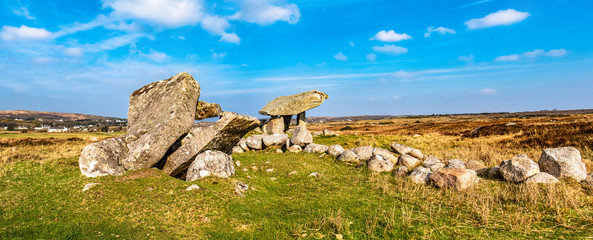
x,y
40,189
19,135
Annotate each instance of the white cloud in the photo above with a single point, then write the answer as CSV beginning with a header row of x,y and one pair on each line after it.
x,y
218,55
75,51
170,13
390,49
340,56
402,74
230,38
488,91
112,43
533,53
123,26
9,33
262,12
372,57
556,53
216,25
468,58
440,30
390,36
155,56
508,58
500,18
23,12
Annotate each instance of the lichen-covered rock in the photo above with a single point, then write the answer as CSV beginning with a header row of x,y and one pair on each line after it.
x,y
364,153
301,136
159,114
349,156
274,126
433,163
518,168
315,148
275,140
335,150
103,158
408,161
385,153
222,136
542,177
210,163
403,149
295,149
420,175
456,163
207,110
255,142
379,163
563,162
455,178
293,104
477,166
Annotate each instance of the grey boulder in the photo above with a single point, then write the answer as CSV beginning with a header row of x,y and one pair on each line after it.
x,y
103,158
255,142
335,150
563,162
349,156
542,177
315,148
364,153
301,136
385,153
518,168
379,163
408,161
275,140
420,175
210,163
403,149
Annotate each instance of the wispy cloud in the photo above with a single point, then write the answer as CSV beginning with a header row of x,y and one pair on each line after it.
x,y
532,55
390,49
23,32
371,57
390,36
20,10
488,91
471,4
500,18
341,57
264,12
439,30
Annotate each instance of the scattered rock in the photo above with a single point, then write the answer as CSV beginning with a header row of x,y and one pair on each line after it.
x,y
477,166
326,132
379,163
243,144
385,153
88,186
192,187
456,163
207,110
518,168
402,171
293,104
408,161
237,149
349,156
455,178
242,186
295,149
275,140
542,177
315,148
269,170
301,136
238,163
158,115
255,142
335,150
511,124
279,151
239,193
103,158
364,153
403,149
563,162
315,174
420,175
293,173
433,163
211,162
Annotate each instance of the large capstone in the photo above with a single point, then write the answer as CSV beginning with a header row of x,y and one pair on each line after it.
x,y
222,136
159,114
211,163
103,158
293,104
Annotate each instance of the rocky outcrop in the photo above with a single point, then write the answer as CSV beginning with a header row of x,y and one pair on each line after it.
x,y
455,178
518,168
379,163
222,136
103,158
207,110
293,104
158,115
301,136
563,163
210,163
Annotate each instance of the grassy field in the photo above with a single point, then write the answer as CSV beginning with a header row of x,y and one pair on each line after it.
x,y
41,189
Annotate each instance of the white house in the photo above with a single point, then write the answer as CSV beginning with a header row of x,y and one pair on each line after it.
x,y
57,129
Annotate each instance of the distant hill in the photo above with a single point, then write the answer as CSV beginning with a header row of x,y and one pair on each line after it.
x,y
50,116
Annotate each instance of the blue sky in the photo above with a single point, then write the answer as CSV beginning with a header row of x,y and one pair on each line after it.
x,y
371,57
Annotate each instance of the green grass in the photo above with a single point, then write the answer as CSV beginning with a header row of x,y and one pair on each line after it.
x,y
19,135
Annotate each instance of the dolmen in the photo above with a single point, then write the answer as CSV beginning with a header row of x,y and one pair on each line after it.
x,y
282,108
162,133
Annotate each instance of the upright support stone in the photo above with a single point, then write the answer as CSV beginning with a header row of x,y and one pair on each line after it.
x,y
275,125
301,119
287,119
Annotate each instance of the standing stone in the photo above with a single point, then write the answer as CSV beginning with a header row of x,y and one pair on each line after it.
x,y
207,110
518,168
364,153
302,119
542,177
103,158
385,153
287,119
349,156
420,175
315,148
293,104
275,140
403,149
335,150
433,163
159,114
301,136
255,142
379,163
563,162
222,136
408,161
274,126
455,178
210,163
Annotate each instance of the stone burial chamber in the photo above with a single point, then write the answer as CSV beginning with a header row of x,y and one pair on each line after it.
x,y
282,108
162,132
